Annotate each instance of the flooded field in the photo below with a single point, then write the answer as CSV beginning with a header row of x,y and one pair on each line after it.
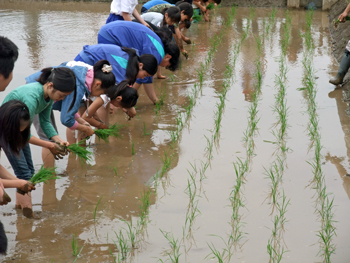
x,y
246,161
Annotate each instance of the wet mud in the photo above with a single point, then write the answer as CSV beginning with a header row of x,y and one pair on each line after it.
x,y
180,186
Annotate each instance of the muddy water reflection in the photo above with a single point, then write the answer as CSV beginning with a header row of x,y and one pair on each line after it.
x,y
50,33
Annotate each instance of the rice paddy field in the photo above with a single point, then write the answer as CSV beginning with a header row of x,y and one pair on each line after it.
x,y
247,160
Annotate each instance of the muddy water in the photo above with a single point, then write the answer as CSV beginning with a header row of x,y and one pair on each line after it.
x,y
50,33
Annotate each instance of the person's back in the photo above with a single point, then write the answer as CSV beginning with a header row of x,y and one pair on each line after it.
x,y
159,8
114,54
132,35
150,4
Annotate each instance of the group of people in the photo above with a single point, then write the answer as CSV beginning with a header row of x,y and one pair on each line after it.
x,y
87,89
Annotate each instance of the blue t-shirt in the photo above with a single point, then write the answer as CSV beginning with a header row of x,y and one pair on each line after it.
x,y
114,54
136,36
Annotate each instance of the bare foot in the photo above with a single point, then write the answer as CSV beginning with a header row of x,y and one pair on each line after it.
x,y
161,77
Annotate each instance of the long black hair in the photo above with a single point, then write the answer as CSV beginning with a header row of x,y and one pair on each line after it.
x,y
170,47
107,78
12,114
129,95
62,78
150,64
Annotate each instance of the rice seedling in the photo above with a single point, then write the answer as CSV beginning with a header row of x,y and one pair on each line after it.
x,y
174,253
166,159
113,130
131,232
122,245
96,207
76,250
82,153
115,171
133,148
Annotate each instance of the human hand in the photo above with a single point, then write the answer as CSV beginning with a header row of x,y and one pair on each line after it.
x,y
343,16
87,130
147,25
25,186
130,112
57,150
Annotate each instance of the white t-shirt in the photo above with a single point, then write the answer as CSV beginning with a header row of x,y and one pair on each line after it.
x,y
120,6
153,17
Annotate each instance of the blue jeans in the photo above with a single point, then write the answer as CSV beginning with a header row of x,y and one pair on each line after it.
x,y
22,164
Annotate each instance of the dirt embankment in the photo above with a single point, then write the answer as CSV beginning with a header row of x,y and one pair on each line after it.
x,y
341,35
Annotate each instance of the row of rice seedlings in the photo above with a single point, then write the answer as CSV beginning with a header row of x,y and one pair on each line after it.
x,y
134,232
236,234
242,167
324,202
270,22
275,247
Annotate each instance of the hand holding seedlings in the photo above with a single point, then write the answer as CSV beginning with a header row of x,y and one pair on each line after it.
x,y
58,150
26,186
42,176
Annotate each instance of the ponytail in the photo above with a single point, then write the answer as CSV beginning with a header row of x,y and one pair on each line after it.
x,y
129,95
103,72
132,69
62,78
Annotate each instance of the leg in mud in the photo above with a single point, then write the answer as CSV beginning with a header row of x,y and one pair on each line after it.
x,y
3,240
46,155
159,74
149,89
343,67
103,113
24,169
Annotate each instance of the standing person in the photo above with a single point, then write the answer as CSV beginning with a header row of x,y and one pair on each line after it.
x,y
144,41
345,61
123,9
53,85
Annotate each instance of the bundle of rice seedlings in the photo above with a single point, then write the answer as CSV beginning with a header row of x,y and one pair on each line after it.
x,y
337,22
113,130
81,152
196,18
210,6
42,176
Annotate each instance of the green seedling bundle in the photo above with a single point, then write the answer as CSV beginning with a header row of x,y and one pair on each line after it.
x,y
113,130
81,152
